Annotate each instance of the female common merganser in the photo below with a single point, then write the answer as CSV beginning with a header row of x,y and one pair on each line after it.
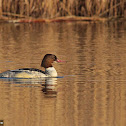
x,y
35,73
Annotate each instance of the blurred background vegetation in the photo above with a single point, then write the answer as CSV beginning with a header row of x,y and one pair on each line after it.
x,y
58,8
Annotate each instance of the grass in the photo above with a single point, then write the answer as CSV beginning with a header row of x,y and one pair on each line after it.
x,y
57,8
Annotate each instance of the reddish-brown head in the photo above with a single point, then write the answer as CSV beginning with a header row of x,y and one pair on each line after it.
x,y
48,60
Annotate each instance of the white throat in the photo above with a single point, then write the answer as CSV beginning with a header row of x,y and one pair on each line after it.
x,y
50,71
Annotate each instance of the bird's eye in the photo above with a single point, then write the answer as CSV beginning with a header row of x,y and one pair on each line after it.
x,y
55,58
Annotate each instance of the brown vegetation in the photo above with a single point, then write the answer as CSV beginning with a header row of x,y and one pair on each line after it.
x,y
52,9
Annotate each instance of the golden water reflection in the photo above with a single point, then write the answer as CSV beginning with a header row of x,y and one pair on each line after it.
x,y
92,91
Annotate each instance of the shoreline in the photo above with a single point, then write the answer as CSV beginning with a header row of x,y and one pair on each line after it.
x,y
60,19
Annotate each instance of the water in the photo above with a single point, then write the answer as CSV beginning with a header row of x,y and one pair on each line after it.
x,y
91,88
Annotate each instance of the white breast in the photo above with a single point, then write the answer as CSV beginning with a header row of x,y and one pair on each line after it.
x,y
51,72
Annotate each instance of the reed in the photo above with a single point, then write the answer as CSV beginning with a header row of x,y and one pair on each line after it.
x,y
57,8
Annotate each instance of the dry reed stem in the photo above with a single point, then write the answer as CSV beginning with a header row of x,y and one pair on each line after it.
x,y
109,10
15,15
0,8
21,5
56,8
59,19
27,7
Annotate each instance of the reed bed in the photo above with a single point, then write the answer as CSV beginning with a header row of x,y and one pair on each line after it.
x,y
48,9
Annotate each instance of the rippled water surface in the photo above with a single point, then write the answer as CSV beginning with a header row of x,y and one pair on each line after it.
x,y
92,88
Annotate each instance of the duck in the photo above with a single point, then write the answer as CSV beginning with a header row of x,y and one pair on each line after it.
x,y
47,61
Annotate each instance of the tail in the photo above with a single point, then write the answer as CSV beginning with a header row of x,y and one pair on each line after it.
x,y
5,74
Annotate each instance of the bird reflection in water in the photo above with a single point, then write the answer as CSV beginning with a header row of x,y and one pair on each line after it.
x,y
50,89
48,84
